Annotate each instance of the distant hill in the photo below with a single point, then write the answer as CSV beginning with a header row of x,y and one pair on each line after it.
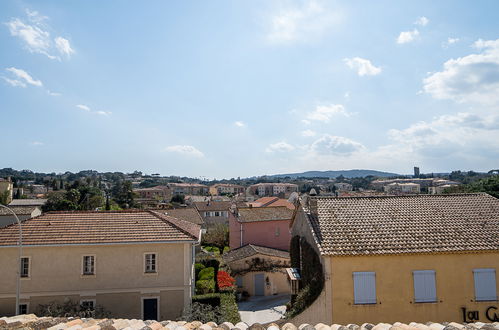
x,y
334,174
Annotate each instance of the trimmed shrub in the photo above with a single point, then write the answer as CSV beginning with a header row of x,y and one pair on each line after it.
x,y
207,274
203,313
212,299
205,286
229,309
197,268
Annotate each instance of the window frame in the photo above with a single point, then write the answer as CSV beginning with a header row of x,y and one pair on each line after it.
x,y
155,271
94,273
27,308
93,301
366,300
494,277
425,272
28,275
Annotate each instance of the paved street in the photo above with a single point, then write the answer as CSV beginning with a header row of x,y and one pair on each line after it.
x,y
260,309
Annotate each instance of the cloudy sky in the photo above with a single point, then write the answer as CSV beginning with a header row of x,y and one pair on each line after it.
x,y
242,88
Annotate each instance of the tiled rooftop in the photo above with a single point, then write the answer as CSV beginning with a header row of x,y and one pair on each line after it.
x,y
55,228
406,224
251,250
18,210
28,202
272,201
187,214
31,321
213,206
271,213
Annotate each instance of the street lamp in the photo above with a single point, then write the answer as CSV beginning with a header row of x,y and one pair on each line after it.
x,y
18,287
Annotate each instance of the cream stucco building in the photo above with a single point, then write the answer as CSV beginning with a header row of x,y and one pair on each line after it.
x,y
135,264
403,258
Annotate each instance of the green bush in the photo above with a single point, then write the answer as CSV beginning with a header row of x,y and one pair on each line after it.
x,y
197,268
212,299
205,286
207,274
69,308
216,307
230,312
226,249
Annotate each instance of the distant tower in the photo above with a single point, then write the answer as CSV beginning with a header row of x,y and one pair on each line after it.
x,y
416,172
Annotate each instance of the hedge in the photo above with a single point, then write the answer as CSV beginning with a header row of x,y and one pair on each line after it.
x,y
223,305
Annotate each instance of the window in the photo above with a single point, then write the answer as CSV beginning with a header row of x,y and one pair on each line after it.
x,y
150,263
87,305
25,267
424,286
485,284
88,265
364,287
217,213
23,309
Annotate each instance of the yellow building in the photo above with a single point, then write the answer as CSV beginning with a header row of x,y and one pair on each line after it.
x,y
134,264
403,258
6,189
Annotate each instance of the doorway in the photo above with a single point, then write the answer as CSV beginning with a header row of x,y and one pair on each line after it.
x,y
150,309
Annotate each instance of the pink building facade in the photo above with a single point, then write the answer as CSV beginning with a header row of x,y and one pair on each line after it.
x,y
268,226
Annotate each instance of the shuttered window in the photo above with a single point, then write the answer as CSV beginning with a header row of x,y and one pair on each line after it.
x,y
485,284
364,287
424,286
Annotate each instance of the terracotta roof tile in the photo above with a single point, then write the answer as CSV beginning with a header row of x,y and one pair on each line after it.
x,y
406,224
55,228
213,206
18,210
187,214
251,250
270,213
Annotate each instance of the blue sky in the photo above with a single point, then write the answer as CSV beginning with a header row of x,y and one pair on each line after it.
x,y
221,89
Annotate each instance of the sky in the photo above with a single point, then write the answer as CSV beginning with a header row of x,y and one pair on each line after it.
x,y
221,89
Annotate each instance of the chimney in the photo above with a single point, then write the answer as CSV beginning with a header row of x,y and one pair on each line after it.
x,y
312,205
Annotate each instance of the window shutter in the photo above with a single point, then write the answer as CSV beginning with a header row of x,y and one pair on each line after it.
x,y
364,287
424,286
485,284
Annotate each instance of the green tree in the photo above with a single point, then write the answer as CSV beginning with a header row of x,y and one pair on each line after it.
x,y
123,194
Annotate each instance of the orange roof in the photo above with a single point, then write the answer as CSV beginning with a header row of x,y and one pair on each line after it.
x,y
105,227
273,201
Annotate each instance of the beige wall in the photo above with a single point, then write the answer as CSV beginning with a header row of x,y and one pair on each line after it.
x,y
394,287
119,283
278,280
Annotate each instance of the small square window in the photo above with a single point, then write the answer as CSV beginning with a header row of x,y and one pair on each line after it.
x,y
25,267
150,263
485,284
23,309
88,265
87,305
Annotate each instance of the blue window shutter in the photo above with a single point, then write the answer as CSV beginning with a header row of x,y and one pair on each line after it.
x,y
424,286
364,287
485,284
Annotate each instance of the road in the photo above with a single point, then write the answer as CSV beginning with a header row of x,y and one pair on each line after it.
x,y
263,309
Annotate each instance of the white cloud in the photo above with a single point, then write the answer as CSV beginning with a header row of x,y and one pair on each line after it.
x,y
185,150
449,42
63,46
473,78
306,122
103,113
239,124
423,21
462,134
21,78
329,144
302,23
35,36
53,93
83,107
407,36
279,147
308,133
363,66
37,143
324,113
